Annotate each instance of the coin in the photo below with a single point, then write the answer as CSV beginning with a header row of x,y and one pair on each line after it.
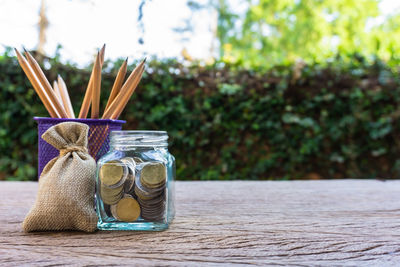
x,y
126,210
153,201
154,217
153,175
153,208
111,200
109,193
152,214
156,213
111,196
144,196
129,161
146,193
113,173
150,188
130,179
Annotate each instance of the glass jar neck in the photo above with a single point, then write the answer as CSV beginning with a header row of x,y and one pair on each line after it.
x,y
125,140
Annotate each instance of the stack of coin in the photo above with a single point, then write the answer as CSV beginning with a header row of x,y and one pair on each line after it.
x,y
150,190
126,210
112,175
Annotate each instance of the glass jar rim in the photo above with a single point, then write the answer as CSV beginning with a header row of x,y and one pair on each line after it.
x,y
126,139
138,132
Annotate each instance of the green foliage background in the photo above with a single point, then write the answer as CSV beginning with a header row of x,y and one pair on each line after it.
x,y
269,32
334,120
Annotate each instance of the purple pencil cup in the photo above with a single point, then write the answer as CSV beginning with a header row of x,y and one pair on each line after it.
x,y
98,137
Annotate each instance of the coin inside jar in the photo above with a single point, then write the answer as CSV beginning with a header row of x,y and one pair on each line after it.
x,y
129,161
113,173
150,188
126,210
153,175
111,196
130,179
146,193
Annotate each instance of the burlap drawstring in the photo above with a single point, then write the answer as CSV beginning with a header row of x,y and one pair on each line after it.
x,y
73,148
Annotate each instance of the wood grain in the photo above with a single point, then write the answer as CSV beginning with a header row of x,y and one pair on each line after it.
x,y
297,223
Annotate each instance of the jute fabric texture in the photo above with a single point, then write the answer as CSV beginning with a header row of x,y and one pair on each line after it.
x,y
65,199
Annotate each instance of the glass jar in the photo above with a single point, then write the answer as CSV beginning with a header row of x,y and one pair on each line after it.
x,y
135,182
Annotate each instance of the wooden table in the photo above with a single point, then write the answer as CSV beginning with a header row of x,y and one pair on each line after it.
x,y
301,223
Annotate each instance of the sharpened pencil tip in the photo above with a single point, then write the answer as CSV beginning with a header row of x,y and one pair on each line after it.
x,y
17,52
144,60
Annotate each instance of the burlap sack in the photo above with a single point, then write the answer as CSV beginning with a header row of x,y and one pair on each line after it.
x,y
65,200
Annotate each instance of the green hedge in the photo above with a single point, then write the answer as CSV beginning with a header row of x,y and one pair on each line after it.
x,y
335,120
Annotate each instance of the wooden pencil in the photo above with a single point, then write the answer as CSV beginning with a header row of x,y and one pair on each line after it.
x,y
56,99
87,99
124,91
118,110
102,54
37,85
119,80
96,88
46,85
128,83
65,97
58,93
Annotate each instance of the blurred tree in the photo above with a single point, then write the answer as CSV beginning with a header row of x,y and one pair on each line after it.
x,y
386,39
273,32
43,24
189,25
140,23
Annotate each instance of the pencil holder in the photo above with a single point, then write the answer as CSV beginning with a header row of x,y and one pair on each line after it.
x,y
98,137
